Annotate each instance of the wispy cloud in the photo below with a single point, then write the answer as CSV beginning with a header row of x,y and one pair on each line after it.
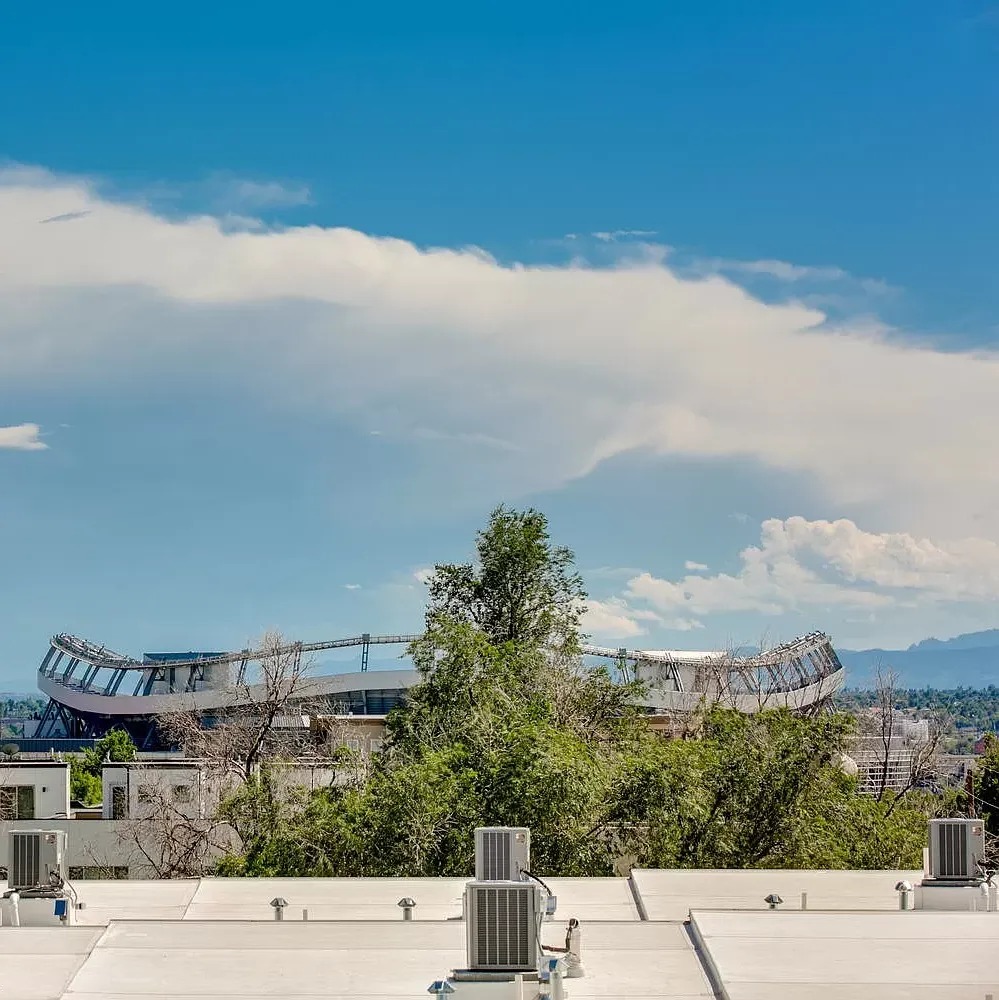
x,y
233,199
471,438
623,234
609,235
788,273
351,586
264,194
22,437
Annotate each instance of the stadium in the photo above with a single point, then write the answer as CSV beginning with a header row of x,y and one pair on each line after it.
x,y
92,689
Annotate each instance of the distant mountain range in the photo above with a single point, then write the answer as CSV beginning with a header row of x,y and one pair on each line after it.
x,y
970,660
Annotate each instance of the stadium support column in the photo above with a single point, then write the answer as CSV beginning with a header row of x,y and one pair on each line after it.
x,y
622,663
365,651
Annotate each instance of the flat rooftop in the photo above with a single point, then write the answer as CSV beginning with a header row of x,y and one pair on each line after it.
x,y
662,935
842,956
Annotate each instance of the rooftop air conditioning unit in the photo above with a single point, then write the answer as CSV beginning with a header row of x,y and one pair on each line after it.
x,y
502,853
503,925
34,856
957,846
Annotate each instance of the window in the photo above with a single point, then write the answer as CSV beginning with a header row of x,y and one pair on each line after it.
x,y
84,872
119,802
353,743
147,794
376,744
182,793
17,801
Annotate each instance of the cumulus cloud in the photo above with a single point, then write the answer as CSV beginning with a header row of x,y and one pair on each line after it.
x,y
822,566
695,567
23,437
613,619
568,366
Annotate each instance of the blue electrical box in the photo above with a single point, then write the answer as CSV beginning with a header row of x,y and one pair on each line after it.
x,y
60,907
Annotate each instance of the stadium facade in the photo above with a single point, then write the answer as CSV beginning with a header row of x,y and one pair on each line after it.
x,y
92,689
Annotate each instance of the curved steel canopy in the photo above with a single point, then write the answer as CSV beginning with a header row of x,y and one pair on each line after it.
x,y
797,674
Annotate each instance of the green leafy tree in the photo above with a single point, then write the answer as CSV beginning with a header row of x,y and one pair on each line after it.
x,y
987,784
508,727
85,784
85,787
522,589
113,748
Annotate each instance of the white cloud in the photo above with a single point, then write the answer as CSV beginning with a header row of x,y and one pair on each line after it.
x,y
695,567
610,620
267,194
351,586
228,195
615,619
618,234
821,567
570,365
22,437
423,574
782,270
459,437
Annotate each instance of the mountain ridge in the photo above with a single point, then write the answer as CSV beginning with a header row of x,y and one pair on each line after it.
x,y
967,660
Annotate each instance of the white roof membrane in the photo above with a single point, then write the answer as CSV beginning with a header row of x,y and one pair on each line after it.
x,y
836,956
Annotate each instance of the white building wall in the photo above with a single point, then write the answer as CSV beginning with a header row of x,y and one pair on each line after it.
x,y
134,791
50,784
113,846
90,845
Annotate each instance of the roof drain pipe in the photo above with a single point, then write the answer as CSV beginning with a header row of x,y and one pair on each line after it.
x,y
15,910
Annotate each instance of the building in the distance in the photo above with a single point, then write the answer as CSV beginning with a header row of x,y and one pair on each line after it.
x,y
92,689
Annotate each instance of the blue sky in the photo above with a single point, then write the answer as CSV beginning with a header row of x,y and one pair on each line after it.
x,y
711,284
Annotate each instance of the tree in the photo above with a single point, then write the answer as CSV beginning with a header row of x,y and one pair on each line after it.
x,y
509,727
733,796
494,735
241,749
85,787
85,784
522,589
986,785
115,747
170,838
898,762
245,735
